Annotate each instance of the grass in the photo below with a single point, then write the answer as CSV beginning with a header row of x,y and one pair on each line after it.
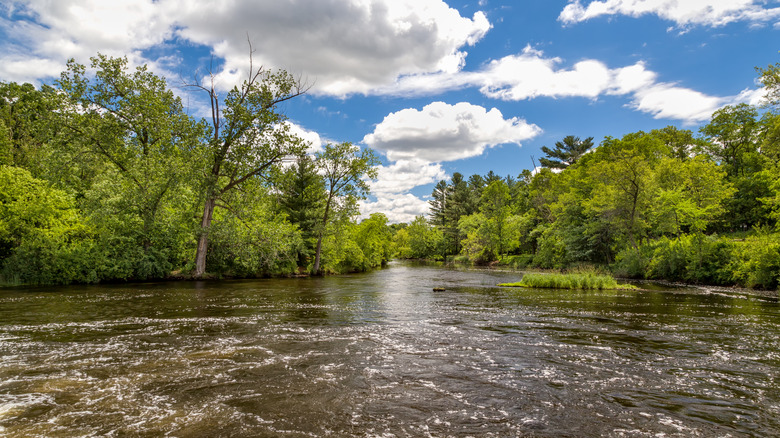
x,y
577,280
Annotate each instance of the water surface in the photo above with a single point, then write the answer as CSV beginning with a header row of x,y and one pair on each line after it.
x,y
381,354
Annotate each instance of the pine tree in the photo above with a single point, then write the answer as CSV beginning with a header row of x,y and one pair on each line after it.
x,y
566,152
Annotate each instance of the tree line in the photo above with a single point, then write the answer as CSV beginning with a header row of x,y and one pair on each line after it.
x,y
105,176
666,204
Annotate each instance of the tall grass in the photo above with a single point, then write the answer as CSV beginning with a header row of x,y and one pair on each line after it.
x,y
576,280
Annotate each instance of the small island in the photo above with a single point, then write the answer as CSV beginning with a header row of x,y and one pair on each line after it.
x,y
578,280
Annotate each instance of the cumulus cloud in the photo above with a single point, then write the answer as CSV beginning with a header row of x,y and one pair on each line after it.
x,y
43,34
684,13
530,75
313,138
442,132
344,47
398,208
666,101
404,175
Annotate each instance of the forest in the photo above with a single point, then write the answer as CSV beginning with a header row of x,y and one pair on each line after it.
x,y
105,176
667,204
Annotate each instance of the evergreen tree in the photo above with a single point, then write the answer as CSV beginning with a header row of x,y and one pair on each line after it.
x,y
302,198
566,152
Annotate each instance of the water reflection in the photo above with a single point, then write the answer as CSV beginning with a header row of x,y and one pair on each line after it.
x,y
382,354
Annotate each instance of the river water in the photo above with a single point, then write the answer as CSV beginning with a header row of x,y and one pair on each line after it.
x,y
383,355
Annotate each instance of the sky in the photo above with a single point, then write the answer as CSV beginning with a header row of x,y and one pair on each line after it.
x,y
433,86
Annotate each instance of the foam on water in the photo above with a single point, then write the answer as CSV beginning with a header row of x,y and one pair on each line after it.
x,y
381,355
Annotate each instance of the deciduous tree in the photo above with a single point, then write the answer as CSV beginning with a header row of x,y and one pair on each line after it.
x,y
344,167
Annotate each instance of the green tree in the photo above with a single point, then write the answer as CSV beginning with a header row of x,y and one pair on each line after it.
x,y
733,135
343,167
623,172
566,152
247,137
770,79
302,197
496,210
681,142
374,238
249,237
130,134
419,240
43,238
690,196
28,123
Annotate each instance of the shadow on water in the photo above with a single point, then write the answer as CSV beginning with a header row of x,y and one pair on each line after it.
x,y
382,354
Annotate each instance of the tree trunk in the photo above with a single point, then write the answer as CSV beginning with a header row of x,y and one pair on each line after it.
x,y
316,269
203,238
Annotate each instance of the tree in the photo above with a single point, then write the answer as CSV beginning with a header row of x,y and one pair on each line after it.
x,y
135,123
247,137
624,184
681,142
302,197
770,78
343,166
128,153
496,209
27,125
566,152
43,238
733,134
374,238
690,194
419,240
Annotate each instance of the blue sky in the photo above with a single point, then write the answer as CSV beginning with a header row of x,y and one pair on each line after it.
x,y
434,86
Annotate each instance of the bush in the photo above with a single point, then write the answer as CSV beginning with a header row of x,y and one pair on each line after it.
x,y
757,261
691,258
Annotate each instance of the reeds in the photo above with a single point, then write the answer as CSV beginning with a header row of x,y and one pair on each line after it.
x,y
578,280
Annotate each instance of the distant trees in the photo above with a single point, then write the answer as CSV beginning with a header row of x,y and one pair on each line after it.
x,y
652,205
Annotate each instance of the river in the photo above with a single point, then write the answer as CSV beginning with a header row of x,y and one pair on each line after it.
x,y
383,355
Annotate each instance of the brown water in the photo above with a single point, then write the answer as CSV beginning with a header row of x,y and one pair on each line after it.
x,y
382,355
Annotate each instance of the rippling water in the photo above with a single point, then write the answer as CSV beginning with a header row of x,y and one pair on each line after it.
x,y
381,354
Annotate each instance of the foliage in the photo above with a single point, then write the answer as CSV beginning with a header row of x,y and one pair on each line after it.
x,y
43,238
301,196
247,136
248,239
419,240
374,238
343,168
566,152
757,261
690,258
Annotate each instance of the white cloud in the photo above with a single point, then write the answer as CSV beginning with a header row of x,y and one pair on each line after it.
x,y
442,132
314,139
398,208
404,175
683,12
666,101
344,47
53,31
531,75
